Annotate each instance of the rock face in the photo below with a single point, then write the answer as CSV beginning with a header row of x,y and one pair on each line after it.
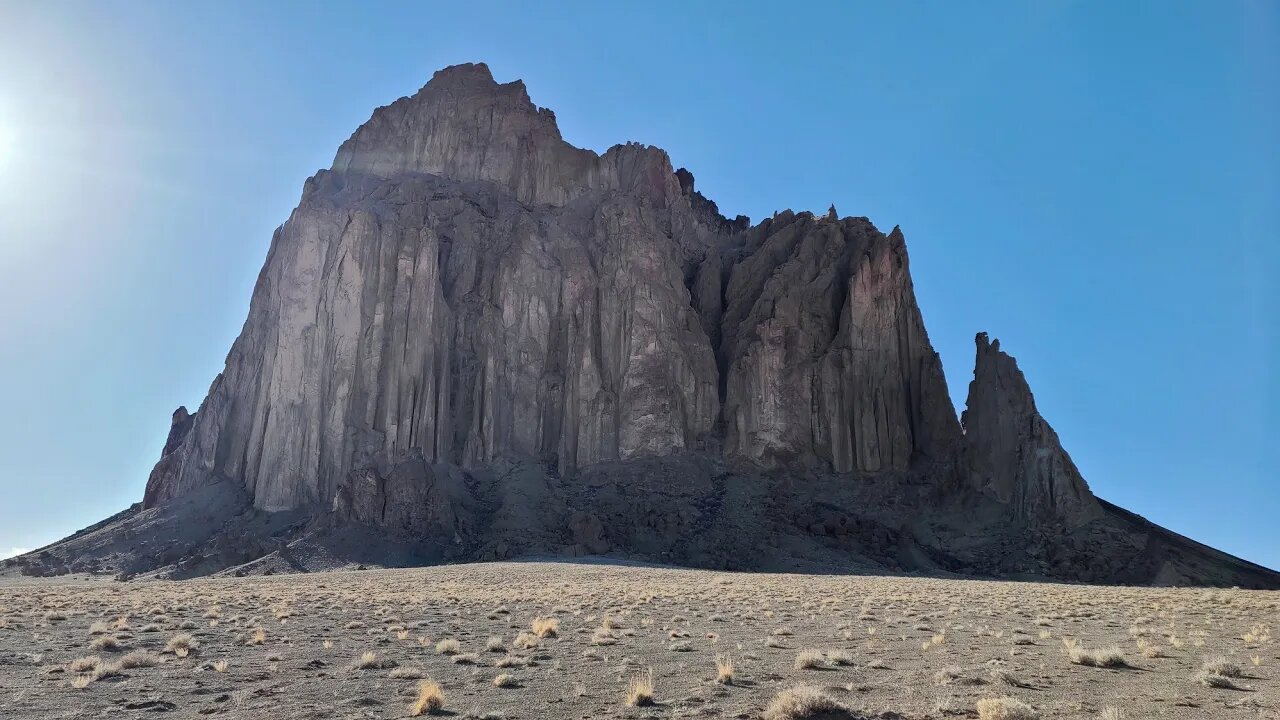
x,y
466,285
825,357
1012,453
476,340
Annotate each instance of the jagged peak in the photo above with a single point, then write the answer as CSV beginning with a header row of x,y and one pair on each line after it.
x,y
986,345
465,126
463,74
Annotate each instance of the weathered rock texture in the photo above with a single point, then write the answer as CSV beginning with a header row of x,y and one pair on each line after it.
x,y
474,340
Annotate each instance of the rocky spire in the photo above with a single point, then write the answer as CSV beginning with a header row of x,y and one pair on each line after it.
x,y
1011,453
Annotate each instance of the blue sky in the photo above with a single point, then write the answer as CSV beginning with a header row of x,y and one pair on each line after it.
x,y
1095,183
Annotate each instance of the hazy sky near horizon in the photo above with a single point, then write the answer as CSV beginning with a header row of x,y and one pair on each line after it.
x,y
1096,184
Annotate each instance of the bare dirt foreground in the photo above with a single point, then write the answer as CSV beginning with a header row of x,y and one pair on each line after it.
x,y
560,640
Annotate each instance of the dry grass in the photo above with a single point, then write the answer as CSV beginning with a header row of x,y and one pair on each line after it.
x,y
809,659
1002,676
640,690
105,642
505,680
1220,665
257,637
546,627
1221,682
1005,708
805,702
430,699
509,661
724,669
138,659
448,646
1111,657
840,657
181,645
84,664
615,622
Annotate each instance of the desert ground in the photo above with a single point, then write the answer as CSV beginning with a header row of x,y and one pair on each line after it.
x,y
566,640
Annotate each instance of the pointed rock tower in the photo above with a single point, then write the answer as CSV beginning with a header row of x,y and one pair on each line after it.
x,y
1012,453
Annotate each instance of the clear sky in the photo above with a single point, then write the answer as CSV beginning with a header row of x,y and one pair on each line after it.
x,y
1097,184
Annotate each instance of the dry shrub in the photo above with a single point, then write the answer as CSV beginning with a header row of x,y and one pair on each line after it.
x,y
505,681
724,669
999,675
430,699
105,642
840,657
640,690
1005,708
84,664
1220,665
181,645
806,702
137,659
1221,682
545,627
809,659
1108,658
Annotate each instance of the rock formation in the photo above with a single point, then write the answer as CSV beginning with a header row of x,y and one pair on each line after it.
x,y
1012,453
465,284
474,340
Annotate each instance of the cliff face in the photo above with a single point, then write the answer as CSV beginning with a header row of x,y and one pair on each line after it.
x,y
475,338
824,354
465,284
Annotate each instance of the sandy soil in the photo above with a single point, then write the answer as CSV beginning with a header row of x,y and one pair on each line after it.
x,y
359,645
